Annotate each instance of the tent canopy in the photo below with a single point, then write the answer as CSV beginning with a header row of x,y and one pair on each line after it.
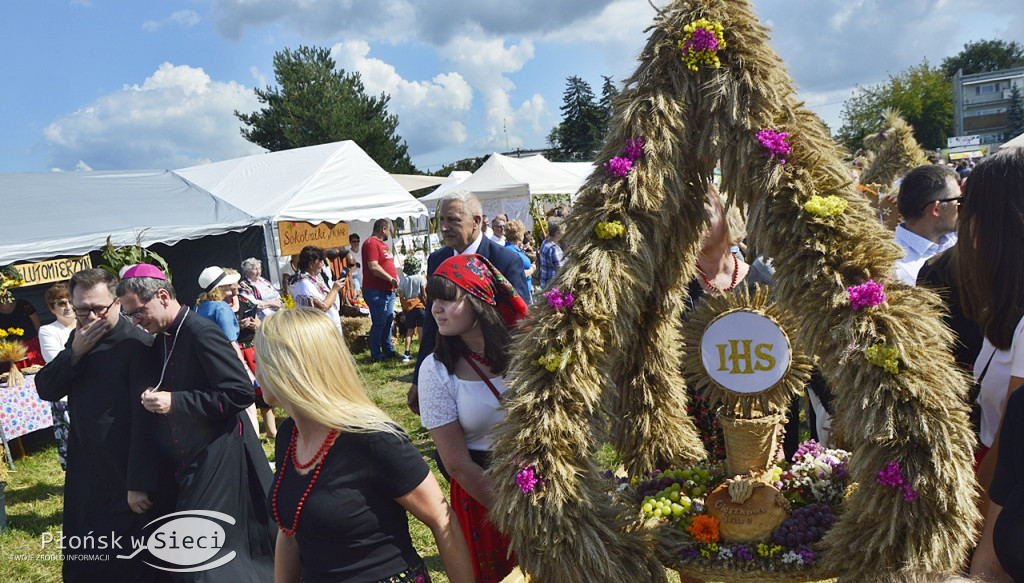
x,y
411,182
327,183
1017,142
504,184
72,213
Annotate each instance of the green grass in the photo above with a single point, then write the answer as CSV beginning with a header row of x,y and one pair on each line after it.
x,y
35,495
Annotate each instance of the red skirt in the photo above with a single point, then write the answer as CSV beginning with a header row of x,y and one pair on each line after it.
x,y
492,560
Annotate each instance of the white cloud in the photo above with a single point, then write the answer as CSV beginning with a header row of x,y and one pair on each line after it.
x,y
183,18
487,63
431,113
177,117
396,20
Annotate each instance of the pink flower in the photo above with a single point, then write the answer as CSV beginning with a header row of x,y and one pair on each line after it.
x,y
558,300
634,148
702,39
775,143
527,480
619,166
866,294
891,476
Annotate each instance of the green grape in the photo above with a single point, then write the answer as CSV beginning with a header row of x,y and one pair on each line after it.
x,y
674,496
648,508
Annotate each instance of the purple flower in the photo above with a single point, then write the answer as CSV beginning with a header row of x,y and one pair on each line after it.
x,y
808,447
775,143
742,552
891,476
806,554
690,553
866,294
634,148
558,300
527,480
701,39
909,494
619,166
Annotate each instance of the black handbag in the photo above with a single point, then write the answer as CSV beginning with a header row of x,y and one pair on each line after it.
x,y
972,397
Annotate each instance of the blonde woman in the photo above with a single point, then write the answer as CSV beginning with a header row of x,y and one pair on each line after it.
x,y
346,473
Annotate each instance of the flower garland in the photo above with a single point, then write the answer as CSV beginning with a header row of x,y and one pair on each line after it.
x,y
885,356
825,206
866,294
704,38
892,476
610,230
775,142
555,359
620,166
558,300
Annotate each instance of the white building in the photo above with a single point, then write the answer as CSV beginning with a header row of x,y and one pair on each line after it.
x,y
981,102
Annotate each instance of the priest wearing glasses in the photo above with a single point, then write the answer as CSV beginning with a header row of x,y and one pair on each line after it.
x,y
191,417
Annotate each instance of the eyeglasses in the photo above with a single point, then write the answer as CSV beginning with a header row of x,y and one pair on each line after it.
x,y
61,303
137,313
100,312
955,199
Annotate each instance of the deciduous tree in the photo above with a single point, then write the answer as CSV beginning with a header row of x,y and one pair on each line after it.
x,y
983,56
921,93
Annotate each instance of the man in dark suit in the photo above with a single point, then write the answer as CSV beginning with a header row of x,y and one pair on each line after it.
x,y
461,219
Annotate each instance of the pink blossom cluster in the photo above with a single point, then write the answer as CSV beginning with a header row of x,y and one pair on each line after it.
x,y
701,39
620,166
892,477
558,300
866,294
775,143
528,480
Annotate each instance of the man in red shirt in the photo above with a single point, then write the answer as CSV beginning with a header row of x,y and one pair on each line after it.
x,y
379,282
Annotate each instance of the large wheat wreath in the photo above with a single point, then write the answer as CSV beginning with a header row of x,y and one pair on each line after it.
x,y
608,365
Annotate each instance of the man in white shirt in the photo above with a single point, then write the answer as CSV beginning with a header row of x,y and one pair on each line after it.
x,y
929,202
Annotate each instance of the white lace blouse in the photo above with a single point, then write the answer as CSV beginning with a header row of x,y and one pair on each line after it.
x,y
445,398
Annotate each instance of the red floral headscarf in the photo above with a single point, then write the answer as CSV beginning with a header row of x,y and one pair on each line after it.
x,y
476,275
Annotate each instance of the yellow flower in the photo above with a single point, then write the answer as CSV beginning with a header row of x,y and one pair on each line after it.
x,y
554,359
610,230
885,356
3,333
768,551
825,206
288,302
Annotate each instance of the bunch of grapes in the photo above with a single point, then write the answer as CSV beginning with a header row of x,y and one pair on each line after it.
x,y
804,527
693,481
670,503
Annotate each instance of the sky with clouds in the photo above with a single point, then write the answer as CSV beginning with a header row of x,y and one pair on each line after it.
x,y
119,84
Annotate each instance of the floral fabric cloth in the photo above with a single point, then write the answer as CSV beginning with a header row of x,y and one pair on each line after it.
x,y
22,411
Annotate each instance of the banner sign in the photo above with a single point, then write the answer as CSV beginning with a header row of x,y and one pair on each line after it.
x,y
745,352
958,141
53,270
294,235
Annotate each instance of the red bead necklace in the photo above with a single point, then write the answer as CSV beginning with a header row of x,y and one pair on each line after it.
x,y
478,357
735,275
290,454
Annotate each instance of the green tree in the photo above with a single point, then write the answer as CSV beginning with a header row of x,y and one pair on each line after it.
x,y
983,56
466,164
921,93
608,94
582,128
317,103
1015,114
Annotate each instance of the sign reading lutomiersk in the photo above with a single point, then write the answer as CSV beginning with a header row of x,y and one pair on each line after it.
x,y
745,352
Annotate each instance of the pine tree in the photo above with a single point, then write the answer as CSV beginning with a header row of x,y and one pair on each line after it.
x,y
1015,114
608,94
582,128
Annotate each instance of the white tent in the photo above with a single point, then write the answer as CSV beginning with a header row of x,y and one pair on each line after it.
x,y
1017,142
411,182
505,185
456,178
327,183
72,213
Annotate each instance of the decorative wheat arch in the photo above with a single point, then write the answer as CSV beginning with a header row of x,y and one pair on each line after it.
x,y
625,350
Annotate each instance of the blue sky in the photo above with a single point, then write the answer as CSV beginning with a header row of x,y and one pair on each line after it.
x,y
98,84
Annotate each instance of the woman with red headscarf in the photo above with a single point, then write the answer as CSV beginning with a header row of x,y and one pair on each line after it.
x,y
460,394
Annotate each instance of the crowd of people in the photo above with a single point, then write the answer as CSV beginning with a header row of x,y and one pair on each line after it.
x,y
156,403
